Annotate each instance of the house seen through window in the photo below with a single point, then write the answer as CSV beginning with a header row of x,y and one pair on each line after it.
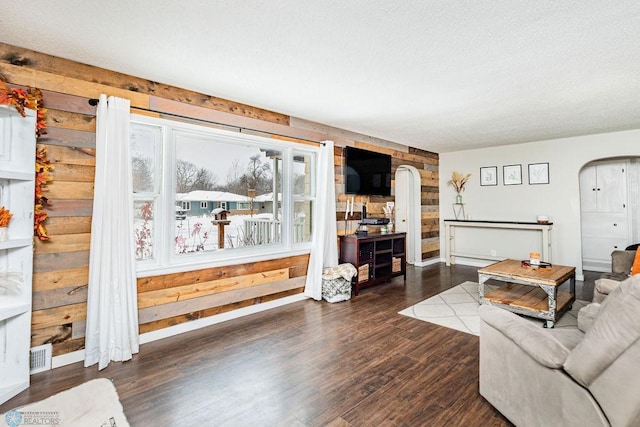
x,y
199,190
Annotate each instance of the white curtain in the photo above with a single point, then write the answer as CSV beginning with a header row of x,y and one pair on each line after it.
x,y
112,308
325,234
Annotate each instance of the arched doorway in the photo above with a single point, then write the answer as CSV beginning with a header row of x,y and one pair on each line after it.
x,y
407,207
609,209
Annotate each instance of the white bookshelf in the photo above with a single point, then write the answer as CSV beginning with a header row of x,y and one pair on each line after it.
x,y
17,180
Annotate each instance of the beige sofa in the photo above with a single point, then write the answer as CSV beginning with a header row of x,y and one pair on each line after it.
x,y
621,262
585,376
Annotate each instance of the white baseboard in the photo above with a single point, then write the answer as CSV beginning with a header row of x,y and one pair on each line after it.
x,y
78,356
218,318
470,262
67,359
425,263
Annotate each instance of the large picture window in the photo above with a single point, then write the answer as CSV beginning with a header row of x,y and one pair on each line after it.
x,y
203,194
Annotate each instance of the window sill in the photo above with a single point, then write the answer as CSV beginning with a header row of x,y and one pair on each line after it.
x,y
151,270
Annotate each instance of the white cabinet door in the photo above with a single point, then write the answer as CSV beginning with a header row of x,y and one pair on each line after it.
x,y
611,187
588,189
603,187
604,211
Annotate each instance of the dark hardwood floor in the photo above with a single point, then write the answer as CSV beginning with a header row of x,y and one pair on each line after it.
x,y
355,363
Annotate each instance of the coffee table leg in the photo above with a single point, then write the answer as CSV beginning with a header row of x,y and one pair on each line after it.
x,y
552,293
481,279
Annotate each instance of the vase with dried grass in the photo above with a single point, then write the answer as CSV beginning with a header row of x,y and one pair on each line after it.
x,y
458,181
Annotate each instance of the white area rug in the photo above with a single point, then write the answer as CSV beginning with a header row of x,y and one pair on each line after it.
x,y
457,308
94,403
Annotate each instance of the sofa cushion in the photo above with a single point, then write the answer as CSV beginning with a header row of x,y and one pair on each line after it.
x,y
614,329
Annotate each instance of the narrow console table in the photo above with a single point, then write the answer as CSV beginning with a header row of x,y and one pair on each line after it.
x,y
377,257
450,226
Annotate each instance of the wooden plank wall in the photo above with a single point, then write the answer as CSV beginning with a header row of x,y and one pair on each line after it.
x,y
61,265
427,164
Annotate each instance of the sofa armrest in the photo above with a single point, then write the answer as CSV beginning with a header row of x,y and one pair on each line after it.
x,y
534,340
621,261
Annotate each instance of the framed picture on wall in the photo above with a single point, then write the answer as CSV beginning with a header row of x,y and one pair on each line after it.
x,y
512,174
489,175
538,173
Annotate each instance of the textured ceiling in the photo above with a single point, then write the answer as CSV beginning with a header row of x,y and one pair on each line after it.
x,y
438,75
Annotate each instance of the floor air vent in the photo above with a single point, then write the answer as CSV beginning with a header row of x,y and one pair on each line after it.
x,y
40,358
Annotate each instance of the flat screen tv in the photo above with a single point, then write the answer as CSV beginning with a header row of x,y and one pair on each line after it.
x,y
367,172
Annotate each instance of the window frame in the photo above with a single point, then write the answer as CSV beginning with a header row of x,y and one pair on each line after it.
x,y
165,259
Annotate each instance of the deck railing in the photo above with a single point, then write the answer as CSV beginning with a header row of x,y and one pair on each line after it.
x,y
261,231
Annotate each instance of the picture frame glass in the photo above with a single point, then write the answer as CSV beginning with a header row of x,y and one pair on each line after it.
x,y
538,173
512,174
489,176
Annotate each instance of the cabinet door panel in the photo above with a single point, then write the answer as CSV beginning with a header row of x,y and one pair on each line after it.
x,y
611,188
600,248
588,189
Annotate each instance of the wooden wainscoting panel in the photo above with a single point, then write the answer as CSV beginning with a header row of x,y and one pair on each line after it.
x,y
146,284
150,314
195,290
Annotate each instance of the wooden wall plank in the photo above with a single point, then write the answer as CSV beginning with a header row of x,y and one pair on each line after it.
x,y
70,155
67,346
66,102
68,225
57,279
73,172
165,311
63,243
185,292
147,284
68,138
58,315
50,335
59,297
55,82
164,323
70,120
62,261
69,207
70,190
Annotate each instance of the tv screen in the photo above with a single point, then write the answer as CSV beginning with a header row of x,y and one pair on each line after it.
x,y
367,172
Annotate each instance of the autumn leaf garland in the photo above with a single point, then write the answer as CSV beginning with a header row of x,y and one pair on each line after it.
x,y
43,177
21,99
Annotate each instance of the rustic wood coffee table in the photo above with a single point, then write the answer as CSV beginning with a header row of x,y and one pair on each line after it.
x,y
529,291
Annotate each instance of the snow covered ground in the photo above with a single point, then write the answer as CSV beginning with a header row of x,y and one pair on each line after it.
x,y
197,233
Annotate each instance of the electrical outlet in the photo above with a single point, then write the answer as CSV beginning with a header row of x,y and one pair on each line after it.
x,y
494,252
390,205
